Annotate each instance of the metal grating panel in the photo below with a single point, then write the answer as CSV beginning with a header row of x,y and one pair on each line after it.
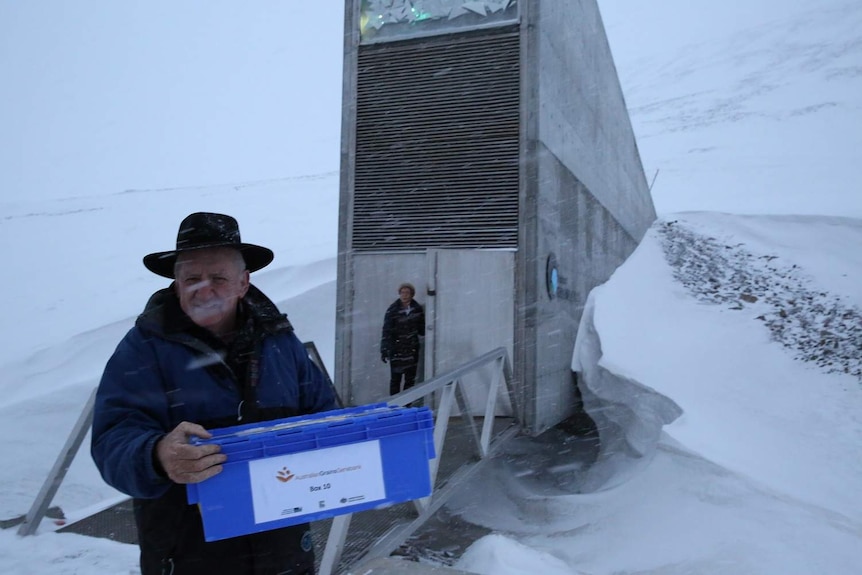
x,y
437,143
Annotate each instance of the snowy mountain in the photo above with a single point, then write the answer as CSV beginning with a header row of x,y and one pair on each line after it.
x,y
744,107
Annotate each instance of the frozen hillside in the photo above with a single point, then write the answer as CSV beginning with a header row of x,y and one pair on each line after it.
x,y
744,107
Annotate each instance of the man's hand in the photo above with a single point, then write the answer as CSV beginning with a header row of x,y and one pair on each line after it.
x,y
384,358
187,463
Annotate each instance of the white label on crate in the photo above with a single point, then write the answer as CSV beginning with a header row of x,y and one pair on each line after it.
x,y
315,481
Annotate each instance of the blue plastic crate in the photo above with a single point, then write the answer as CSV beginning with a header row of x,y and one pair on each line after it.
x,y
298,469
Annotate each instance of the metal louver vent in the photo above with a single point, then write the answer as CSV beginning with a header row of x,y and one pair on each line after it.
x,y
437,143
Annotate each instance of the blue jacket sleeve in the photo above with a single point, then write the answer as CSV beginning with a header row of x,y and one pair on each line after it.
x,y
130,416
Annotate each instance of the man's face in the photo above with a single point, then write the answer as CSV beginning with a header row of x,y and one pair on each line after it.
x,y
209,283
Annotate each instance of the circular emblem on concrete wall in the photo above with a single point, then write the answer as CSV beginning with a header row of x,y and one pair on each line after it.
x,y
306,542
552,276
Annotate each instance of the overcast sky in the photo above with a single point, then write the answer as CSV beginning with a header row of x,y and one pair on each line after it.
x,y
102,96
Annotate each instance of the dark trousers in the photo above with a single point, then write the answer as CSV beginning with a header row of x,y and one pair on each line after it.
x,y
171,538
398,370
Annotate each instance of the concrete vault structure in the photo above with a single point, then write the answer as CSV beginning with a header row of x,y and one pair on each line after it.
x,y
488,158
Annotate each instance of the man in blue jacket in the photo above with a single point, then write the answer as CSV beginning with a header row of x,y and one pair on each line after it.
x,y
208,351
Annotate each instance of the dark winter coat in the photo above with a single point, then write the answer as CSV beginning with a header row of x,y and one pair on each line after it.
x,y
167,370
402,327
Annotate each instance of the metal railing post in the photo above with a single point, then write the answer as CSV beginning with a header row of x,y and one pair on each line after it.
x,y
58,472
335,544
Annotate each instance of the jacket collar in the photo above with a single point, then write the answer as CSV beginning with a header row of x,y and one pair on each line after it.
x,y
163,315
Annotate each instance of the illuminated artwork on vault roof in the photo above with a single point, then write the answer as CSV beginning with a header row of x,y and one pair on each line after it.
x,y
391,19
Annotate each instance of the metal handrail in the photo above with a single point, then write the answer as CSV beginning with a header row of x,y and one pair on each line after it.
x,y
58,471
449,386
73,443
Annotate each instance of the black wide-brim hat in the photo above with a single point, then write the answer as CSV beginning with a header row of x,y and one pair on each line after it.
x,y
205,230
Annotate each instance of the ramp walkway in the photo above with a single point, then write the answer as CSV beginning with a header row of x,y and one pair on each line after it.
x,y
465,437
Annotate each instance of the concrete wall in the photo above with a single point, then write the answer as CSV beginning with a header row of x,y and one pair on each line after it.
x,y
582,116
344,285
588,245
591,201
583,197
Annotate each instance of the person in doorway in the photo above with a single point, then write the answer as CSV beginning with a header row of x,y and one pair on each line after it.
x,y
209,351
403,323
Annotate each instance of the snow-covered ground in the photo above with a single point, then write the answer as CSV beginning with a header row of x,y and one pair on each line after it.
x,y
748,324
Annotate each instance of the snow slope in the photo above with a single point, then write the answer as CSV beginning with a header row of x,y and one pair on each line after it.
x,y
757,472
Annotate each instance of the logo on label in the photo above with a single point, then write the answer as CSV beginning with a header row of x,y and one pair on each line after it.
x,y
284,475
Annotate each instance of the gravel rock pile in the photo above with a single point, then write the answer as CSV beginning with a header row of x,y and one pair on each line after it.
x,y
816,326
